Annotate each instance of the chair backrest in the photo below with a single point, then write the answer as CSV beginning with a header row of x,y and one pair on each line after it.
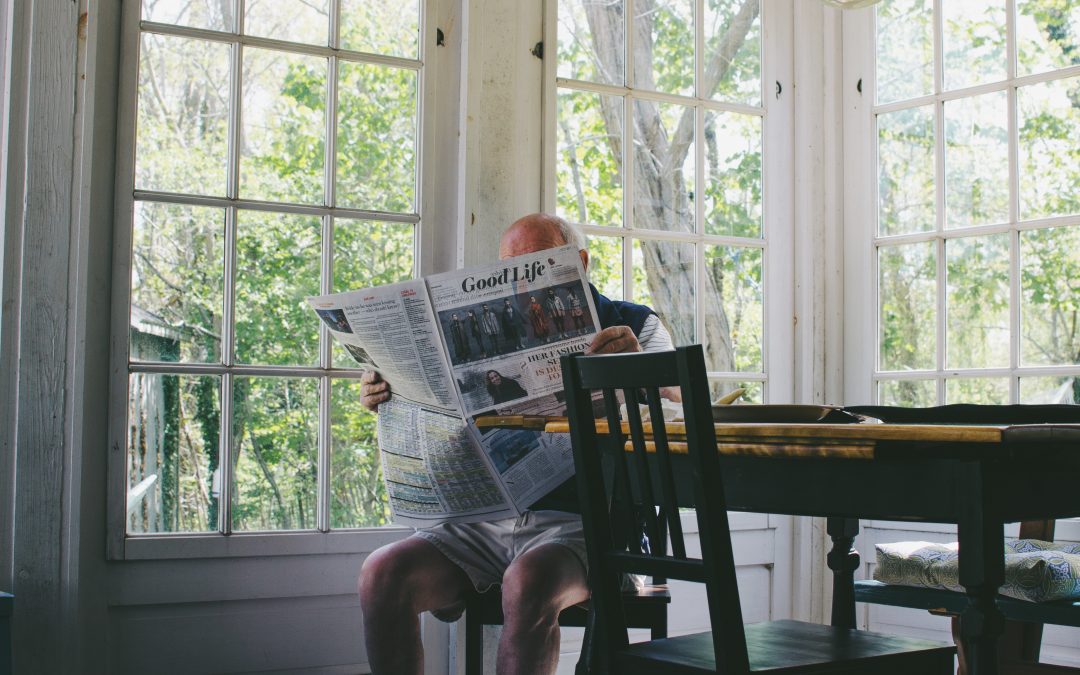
x,y
641,479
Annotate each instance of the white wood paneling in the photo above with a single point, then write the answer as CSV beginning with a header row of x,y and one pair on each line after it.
x,y
39,361
504,87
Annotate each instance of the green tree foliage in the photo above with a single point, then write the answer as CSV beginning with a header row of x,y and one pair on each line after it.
x,y
179,255
592,132
978,274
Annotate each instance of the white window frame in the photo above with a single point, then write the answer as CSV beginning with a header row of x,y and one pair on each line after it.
x,y
862,328
427,259
777,240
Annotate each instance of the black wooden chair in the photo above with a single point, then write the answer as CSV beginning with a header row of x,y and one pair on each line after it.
x,y
730,647
645,608
7,605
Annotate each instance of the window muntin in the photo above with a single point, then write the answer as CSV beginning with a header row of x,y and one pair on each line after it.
x,y
659,156
976,208
269,165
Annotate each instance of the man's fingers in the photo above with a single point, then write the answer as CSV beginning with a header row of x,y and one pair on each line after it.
x,y
373,390
614,340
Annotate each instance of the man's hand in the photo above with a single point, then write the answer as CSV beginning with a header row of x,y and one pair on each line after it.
x,y
614,340
373,390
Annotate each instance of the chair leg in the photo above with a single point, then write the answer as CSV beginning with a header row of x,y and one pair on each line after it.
x,y
961,660
474,644
658,631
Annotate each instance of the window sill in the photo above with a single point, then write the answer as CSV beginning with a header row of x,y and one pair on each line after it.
x,y
209,545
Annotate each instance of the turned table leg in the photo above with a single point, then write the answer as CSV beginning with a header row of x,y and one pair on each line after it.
x,y
843,560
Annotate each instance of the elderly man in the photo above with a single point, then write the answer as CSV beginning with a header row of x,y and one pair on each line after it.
x,y
538,559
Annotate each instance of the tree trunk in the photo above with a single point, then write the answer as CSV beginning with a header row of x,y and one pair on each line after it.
x,y
662,199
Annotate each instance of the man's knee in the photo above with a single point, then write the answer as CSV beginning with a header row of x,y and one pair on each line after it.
x,y
411,575
537,588
381,577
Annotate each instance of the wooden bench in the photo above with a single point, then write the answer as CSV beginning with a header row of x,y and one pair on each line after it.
x,y
1021,642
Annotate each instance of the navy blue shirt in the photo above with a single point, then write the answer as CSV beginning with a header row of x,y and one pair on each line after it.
x,y
611,313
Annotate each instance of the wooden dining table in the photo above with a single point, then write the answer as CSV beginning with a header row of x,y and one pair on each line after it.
x,y
979,477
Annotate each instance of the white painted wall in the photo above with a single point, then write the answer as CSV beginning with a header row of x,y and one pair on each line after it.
x,y
503,127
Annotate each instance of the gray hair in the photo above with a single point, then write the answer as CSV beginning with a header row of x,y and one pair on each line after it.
x,y
571,233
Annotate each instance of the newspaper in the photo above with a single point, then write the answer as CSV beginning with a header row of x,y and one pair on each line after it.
x,y
457,346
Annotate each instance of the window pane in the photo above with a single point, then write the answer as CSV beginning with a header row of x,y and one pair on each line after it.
x,y
973,42
734,312
977,160
277,266
908,302
305,21
977,390
590,40
1048,35
906,171
358,494
977,304
753,392
1050,389
390,27
177,281
1050,296
664,46
275,450
732,174
369,253
209,14
1049,120
605,265
664,280
664,166
181,142
284,127
376,138
172,455
905,49
907,393
588,167
732,51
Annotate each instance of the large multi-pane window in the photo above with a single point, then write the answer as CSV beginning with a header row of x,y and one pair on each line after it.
x,y
273,153
976,116
657,151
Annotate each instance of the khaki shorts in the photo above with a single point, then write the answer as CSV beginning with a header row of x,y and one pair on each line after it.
x,y
484,550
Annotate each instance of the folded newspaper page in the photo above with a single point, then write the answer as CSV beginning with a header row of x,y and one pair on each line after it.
x,y
456,346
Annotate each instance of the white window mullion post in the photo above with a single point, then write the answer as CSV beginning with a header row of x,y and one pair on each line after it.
x,y
232,191
549,136
699,170
1014,204
226,450
322,467
628,151
939,196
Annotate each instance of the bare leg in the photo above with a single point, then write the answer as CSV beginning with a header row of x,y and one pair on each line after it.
x,y
536,588
397,582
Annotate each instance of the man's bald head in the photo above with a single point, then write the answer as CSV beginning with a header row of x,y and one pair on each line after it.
x,y
538,232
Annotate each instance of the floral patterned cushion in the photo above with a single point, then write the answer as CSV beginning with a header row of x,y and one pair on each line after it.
x,y
1038,571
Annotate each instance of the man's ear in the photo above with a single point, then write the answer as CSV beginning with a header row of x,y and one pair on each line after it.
x,y
584,259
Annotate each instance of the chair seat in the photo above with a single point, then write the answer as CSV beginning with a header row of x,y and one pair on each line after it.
x,y
644,608
1061,612
797,647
